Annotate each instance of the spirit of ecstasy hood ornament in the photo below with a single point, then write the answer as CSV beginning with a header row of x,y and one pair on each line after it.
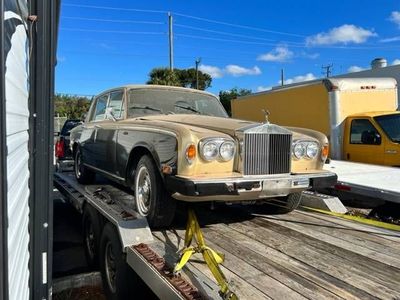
x,y
266,115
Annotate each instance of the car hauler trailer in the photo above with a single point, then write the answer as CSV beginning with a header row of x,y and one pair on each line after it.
x,y
301,255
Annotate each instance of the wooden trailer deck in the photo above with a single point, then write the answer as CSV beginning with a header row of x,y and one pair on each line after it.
x,y
301,255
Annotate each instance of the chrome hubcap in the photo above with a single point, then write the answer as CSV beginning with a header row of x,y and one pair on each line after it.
x,y
110,267
143,191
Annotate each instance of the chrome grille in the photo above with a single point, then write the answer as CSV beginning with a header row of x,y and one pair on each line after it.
x,y
266,153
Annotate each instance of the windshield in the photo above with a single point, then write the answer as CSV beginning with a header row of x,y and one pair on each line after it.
x,y
163,101
391,125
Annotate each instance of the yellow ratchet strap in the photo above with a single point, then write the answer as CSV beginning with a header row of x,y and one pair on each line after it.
x,y
363,220
211,257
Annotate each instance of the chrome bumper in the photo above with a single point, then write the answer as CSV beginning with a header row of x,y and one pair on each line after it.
x,y
246,188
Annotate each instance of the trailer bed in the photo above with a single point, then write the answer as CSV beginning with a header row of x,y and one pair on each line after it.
x,y
301,255
374,181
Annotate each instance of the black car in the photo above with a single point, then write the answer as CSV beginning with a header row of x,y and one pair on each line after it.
x,y
64,158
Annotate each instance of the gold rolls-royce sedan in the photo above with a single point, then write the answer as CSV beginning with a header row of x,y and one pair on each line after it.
x,y
171,143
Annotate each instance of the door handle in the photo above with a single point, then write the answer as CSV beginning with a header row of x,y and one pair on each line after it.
x,y
97,126
348,156
125,132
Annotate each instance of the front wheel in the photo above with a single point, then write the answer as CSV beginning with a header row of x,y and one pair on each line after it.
x,y
82,173
152,200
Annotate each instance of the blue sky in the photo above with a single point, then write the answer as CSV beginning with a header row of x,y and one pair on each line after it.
x,y
242,44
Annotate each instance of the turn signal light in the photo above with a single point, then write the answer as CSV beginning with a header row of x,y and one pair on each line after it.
x,y
190,153
325,152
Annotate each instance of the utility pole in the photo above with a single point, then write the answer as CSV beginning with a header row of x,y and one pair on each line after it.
x,y
197,62
171,42
327,70
282,77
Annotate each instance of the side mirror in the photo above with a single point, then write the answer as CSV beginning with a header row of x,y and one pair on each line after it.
x,y
377,138
110,114
83,117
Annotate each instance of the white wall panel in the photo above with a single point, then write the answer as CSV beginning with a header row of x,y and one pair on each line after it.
x,y
17,120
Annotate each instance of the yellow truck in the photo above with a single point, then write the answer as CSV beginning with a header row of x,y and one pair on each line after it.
x,y
359,115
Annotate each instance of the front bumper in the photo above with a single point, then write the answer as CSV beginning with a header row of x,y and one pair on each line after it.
x,y
246,188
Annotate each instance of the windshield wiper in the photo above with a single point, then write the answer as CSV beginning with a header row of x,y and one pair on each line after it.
x,y
188,108
145,107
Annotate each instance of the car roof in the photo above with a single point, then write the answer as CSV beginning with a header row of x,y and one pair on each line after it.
x,y
157,87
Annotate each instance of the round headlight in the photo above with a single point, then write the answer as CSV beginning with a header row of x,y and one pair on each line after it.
x,y
209,150
299,150
312,150
227,150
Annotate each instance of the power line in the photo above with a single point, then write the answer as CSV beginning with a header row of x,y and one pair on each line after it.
x,y
186,16
238,25
222,32
113,31
115,20
224,40
117,8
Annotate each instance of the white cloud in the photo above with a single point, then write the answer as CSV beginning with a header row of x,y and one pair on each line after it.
x,y
237,71
213,71
310,55
353,69
279,54
395,17
232,70
396,62
263,88
300,78
344,34
389,40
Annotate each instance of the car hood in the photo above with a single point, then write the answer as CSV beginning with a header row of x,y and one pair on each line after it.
x,y
224,125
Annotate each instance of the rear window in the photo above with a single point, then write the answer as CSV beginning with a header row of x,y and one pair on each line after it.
x,y
68,126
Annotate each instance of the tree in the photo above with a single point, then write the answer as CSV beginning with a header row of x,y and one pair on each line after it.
x,y
226,96
187,77
72,107
179,77
164,76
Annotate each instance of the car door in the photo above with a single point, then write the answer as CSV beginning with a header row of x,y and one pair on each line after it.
x,y
106,133
364,142
88,139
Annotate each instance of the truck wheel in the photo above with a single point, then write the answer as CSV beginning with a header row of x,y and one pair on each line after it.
x,y
119,280
91,228
284,205
82,173
152,200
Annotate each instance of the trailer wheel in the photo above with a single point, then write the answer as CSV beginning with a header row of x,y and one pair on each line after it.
x,y
119,281
82,173
284,205
152,200
91,228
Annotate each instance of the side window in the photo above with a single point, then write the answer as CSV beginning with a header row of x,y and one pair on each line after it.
x,y
100,110
364,133
116,103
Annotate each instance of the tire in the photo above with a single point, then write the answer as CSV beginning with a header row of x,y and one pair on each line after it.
x,y
119,280
285,205
91,228
82,173
151,198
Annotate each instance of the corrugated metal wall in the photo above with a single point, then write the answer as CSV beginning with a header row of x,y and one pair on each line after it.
x,y
17,126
